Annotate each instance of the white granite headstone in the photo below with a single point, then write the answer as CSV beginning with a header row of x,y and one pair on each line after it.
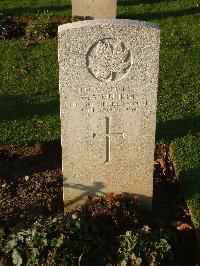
x,y
108,90
96,9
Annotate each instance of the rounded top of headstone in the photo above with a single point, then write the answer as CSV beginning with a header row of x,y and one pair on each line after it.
x,y
97,22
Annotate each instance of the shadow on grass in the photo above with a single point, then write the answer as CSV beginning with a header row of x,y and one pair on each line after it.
x,y
161,15
177,128
137,2
191,179
24,107
30,160
19,11
21,107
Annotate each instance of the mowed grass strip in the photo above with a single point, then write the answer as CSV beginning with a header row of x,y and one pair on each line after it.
x,y
29,101
29,98
186,153
26,8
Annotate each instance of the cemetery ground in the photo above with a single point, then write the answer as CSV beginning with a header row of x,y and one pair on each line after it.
x,y
30,125
32,191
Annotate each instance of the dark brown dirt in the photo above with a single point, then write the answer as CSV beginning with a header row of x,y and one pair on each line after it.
x,y
12,28
31,187
30,181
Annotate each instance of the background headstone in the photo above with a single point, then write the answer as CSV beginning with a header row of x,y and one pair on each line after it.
x,y
108,91
97,9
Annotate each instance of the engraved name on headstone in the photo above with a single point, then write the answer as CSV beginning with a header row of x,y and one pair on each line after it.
x,y
108,91
96,9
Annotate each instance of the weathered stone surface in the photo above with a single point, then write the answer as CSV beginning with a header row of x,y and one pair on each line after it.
x,y
108,91
98,9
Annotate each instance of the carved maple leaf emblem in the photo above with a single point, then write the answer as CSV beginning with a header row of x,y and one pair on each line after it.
x,y
109,60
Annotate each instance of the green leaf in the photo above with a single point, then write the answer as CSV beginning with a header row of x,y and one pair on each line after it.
x,y
123,263
59,241
16,258
34,231
9,245
138,261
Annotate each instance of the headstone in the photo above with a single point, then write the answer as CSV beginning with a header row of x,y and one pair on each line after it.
x,y
97,9
108,91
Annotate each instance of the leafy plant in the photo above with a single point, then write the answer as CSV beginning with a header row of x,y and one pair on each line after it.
x,y
145,247
56,240
42,26
86,238
2,236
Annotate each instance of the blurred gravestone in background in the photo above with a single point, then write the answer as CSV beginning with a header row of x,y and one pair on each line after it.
x,y
96,9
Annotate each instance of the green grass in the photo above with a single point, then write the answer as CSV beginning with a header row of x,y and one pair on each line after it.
x,y
29,109
29,100
186,152
32,7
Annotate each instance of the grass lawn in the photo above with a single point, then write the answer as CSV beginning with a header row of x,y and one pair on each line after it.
x,y
29,110
32,7
29,99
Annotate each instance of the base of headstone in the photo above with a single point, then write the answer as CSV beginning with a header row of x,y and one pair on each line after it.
x,y
77,203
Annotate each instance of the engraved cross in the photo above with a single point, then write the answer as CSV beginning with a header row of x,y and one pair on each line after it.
x,y
108,138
